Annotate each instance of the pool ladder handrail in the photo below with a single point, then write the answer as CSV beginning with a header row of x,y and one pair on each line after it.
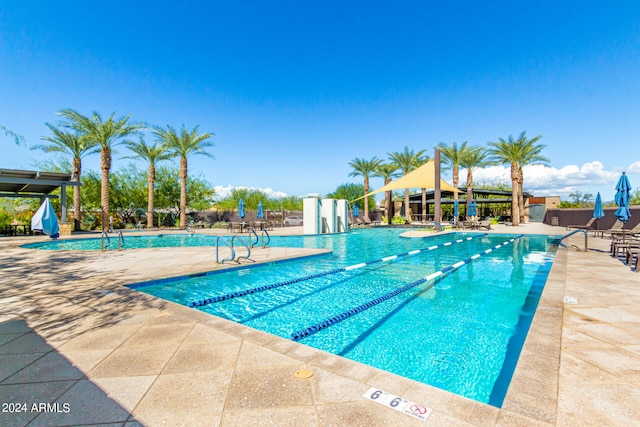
x,y
102,237
233,251
586,239
264,245
262,234
120,240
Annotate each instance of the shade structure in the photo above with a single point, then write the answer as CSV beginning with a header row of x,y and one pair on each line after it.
x,y
355,210
473,208
241,208
422,177
260,214
623,190
45,220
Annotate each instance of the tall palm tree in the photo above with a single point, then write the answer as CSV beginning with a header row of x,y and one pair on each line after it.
x,y
517,153
452,155
406,161
387,171
365,168
105,134
75,146
474,158
424,159
183,145
152,154
18,139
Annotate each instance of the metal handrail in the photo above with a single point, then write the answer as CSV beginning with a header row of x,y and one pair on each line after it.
x,y
246,245
251,230
104,234
264,245
120,240
233,252
586,239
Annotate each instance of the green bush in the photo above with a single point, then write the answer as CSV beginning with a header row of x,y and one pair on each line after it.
x,y
221,224
397,220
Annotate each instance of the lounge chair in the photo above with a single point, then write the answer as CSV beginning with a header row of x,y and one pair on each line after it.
x,y
620,231
586,226
614,228
485,223
358,221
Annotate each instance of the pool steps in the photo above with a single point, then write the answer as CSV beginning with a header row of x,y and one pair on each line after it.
x,y
303,333
218,298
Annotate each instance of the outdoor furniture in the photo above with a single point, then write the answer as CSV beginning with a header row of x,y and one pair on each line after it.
x,y
485,223
586,226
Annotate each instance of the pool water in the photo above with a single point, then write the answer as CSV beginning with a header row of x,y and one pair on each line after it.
x,y
461,332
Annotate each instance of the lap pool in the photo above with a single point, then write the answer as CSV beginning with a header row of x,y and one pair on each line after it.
x,y
449,310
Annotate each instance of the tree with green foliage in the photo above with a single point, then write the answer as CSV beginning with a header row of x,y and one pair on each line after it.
x,y
365,169
517,153
74,146
17,138
352,191
406,161
183,145
474,158
387,171
152,155
452,156
105,134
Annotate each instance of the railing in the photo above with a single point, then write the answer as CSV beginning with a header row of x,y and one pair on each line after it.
x,y
246,245
252,231
586,239
264,245
120,241
233,252
105,235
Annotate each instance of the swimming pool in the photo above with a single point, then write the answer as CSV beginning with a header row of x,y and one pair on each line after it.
x,y
461,331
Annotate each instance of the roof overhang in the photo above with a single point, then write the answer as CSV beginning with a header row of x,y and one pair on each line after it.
x,y
32,184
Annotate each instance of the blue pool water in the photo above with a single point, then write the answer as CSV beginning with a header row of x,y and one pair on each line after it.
x,y
461,332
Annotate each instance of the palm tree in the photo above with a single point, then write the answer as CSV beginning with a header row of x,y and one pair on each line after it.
x,y
73,145
474,158
18,139
105,134
365,168
387,171
452,155
152,154
406,161
517,153
183,145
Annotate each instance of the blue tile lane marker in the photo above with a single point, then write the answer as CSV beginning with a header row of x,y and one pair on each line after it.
x,y
244,292
303,333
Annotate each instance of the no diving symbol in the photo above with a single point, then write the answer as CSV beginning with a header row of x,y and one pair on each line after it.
x,y
418,409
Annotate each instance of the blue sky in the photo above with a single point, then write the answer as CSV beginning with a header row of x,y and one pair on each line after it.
x,y
294,90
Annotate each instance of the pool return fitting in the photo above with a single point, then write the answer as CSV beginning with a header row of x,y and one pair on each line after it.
x,y
250,291
303,333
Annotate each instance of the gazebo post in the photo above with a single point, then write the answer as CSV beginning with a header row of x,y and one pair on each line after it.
x,y
63,203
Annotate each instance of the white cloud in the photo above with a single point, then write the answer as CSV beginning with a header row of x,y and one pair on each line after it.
x,y
544,180
634,168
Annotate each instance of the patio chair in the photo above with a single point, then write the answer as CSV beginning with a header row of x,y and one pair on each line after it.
x,y
614,228
621,232
485,223
586,226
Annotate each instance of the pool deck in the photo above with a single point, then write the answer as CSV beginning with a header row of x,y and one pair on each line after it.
x,y
79,348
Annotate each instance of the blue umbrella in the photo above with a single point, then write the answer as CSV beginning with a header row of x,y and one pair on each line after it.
x,y
45,220
598,212
260,214
355,210
622,198
241,208
456,212
473,209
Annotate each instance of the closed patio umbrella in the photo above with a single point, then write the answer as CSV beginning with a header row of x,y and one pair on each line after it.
x,y
598,212
260,214
456,212
355,211
241,208
622,198
473,208
45,220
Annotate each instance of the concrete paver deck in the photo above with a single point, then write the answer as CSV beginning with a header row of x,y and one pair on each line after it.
x,y
71,333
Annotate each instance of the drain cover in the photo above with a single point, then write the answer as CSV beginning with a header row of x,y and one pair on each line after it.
x,y
303,374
